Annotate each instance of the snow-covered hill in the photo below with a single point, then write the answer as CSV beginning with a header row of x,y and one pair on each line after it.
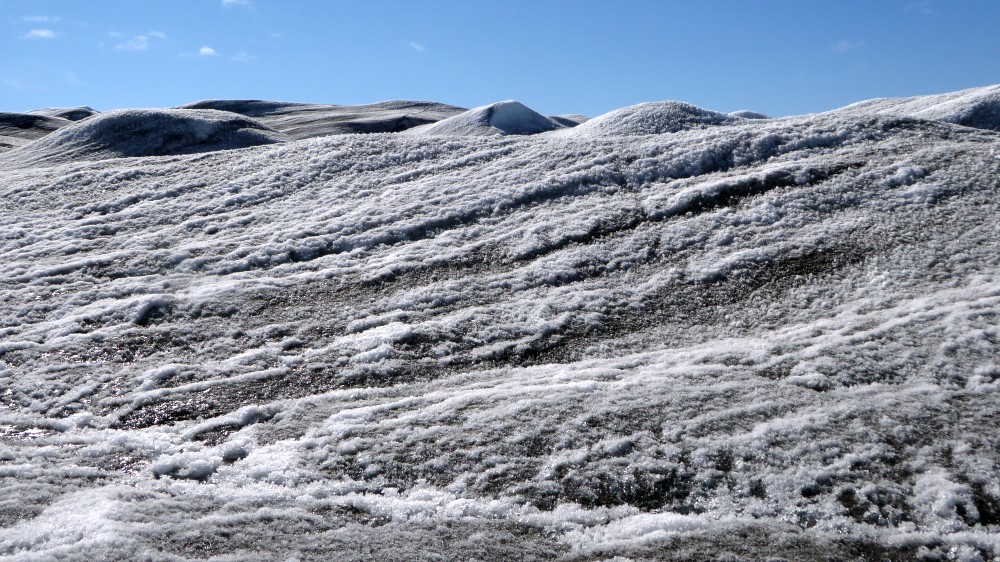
x,y
665,333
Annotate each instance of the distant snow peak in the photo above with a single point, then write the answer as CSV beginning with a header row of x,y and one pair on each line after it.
x,y
502,118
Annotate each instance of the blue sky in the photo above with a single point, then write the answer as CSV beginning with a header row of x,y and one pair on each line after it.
x,y
780,57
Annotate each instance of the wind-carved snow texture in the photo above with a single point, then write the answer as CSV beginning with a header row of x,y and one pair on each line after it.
x,y
742,338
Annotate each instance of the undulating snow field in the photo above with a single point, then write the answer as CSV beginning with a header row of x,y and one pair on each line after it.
x,y
240,332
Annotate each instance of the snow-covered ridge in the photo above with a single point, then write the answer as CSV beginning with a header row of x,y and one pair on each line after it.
x,y
300,120
148,132
975,107
682,335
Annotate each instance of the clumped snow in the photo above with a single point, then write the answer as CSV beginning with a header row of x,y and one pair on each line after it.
x,y
666,333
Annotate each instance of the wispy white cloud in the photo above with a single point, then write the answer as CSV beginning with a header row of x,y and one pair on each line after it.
x,y
243,57
844,45
923,7
417,47
40,34
137,43
41,19
235,2
206,52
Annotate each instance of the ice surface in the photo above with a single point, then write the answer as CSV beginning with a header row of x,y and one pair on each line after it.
x,y
680,335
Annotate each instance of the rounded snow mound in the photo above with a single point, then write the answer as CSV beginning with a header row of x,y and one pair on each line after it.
x,y
747,114
976,107
503,118
652,118
147,132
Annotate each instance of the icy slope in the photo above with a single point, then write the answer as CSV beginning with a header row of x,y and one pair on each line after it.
x,y
766,338
300,120
144,132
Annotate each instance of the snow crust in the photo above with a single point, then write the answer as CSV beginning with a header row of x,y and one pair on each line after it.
x,y
679,335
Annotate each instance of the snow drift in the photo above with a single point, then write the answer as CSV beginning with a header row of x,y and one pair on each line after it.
x,y
683,335
145,132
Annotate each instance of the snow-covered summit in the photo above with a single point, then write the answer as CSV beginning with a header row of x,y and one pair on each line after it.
x,y
145,132
502,118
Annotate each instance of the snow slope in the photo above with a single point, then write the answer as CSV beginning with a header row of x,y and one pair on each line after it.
x,y
975,107
742,338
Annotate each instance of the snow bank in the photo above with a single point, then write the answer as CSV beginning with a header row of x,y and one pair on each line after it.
x,y
651,118
503,118
145,132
